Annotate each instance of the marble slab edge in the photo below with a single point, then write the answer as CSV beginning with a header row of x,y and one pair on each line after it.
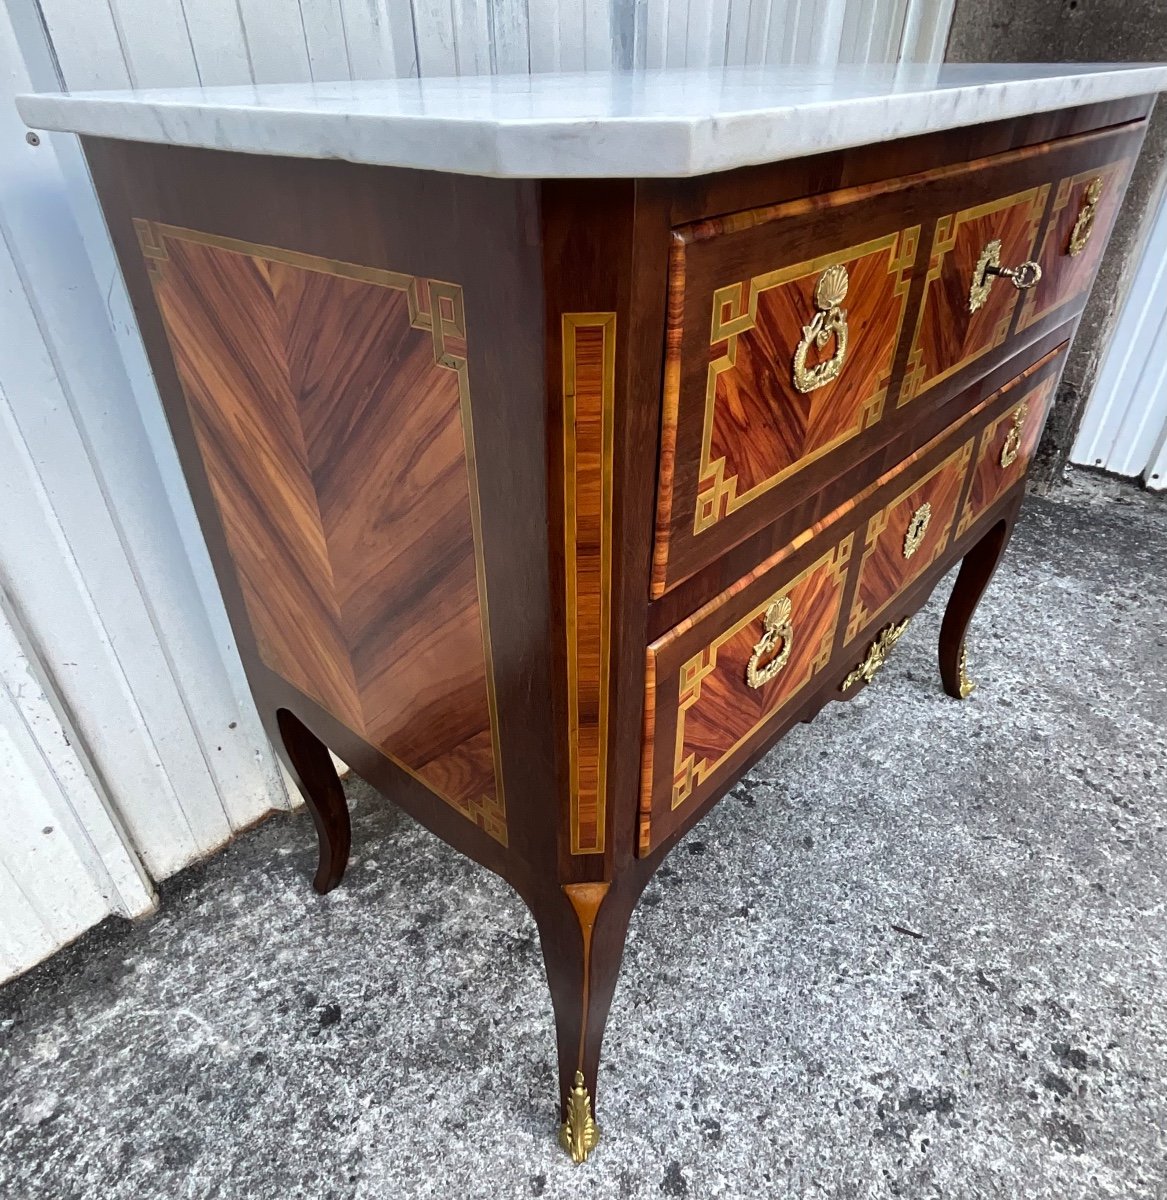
x,y
619,146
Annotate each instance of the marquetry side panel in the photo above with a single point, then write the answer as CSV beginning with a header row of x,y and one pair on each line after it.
x,y
759,429
589,365
1004,451
1066,277
948,336
330,403
892,558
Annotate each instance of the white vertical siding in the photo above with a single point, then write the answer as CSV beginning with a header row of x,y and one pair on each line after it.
x,y
107,580
101,558
1124,428
66,863
1155,474
118,43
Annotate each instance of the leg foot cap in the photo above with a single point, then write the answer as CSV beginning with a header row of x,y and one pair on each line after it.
x,y
579,1133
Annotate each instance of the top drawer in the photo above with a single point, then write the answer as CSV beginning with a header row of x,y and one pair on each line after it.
x,y
804,336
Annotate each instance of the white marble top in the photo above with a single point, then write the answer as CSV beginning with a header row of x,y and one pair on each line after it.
x,y
651,123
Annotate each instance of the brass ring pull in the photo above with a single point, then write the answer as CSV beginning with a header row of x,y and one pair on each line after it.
x,y
989,266
769,657
917,528
1084,225
1012,446
830,321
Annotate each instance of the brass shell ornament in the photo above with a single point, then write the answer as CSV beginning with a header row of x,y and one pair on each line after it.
x,y
579,1133
831,289
772,651
830,321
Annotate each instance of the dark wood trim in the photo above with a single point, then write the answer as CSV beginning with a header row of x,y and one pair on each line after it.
x,y
749,187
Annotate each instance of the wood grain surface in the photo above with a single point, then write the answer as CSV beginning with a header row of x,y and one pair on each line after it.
x,y
716,710
990,479
759,428
1066,277
884,568
589,357
948,335
740,447
328,403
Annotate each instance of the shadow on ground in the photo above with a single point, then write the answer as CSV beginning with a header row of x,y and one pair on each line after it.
x,y
919,953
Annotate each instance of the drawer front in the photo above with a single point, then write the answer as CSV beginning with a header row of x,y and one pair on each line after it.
x,y
1060,225
906,536
723,682
727,673
804,337
1004,451
1082,213
956,327
783,328
833,323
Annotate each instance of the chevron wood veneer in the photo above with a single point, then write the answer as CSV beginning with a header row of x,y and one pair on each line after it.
x,y
990,480
717,710
948,335
331,406
1066,277
885,570
756,328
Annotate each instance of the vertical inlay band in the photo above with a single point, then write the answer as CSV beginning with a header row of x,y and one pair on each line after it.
x,y
589,384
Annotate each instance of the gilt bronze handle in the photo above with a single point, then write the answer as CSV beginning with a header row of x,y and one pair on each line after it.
x,y
1084,225
772,651
989,267
830,321
1012,446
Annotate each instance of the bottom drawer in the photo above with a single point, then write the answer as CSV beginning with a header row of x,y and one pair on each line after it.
x,y
720,682
724,681
727,672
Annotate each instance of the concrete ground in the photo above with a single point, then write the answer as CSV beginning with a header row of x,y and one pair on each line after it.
x,y
921,952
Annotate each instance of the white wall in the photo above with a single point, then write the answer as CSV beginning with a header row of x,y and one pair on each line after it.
x,y
145,744
66,862
1124,428
159,756
152,43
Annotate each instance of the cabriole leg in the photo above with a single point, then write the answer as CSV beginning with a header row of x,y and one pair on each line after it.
x,y
975,572
310,765
582,934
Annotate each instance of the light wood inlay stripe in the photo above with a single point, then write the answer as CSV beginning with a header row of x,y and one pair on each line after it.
x,y
589,384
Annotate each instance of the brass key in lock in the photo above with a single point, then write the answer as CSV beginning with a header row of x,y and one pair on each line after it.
x,y
989,266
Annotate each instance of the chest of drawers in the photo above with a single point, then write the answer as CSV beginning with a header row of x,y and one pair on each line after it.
x,y
550,503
